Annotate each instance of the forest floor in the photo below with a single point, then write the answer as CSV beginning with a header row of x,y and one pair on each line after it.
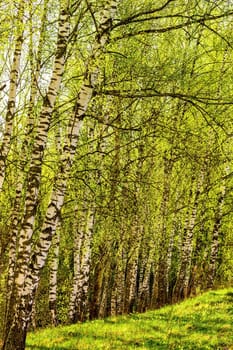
x,y
203,322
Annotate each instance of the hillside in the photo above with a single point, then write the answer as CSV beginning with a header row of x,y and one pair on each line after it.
x,y
204,322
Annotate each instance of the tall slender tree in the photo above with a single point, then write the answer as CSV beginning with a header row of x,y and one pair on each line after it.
x,y
11,104
19,306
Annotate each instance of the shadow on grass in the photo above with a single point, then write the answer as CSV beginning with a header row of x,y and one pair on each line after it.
x,y
33,347
202,329
44,348
147,343
230,295
178,340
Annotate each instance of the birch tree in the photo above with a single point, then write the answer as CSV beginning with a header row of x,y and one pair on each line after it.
x,y
11,103
181,287
26,280
19,307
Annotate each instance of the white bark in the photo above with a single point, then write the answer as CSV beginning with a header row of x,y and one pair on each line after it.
x,y
78,241
38,150
53,278
144,280
81,105
19,308
181,287
21,181
214,248
11,104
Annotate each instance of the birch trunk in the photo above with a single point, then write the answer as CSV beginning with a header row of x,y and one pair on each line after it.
x,y
82,298
102,308
78,240
11,104
218,214
162,297
214,247
117,304
25,150
97,305
132,268
53,278
169,263
81,105
26,287
182,282
144,289
19,308
78,308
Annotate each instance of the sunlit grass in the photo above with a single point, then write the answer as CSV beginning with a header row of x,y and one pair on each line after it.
x,y
205,322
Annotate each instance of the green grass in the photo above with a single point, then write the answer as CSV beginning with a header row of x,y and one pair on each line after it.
x,y
204,322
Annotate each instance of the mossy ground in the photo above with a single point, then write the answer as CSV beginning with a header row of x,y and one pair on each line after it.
x,y
204,322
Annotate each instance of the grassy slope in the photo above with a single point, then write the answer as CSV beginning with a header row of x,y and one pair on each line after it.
x,y
205,322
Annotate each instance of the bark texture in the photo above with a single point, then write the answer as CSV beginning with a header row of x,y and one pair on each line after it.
x,y
11,104
19,308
